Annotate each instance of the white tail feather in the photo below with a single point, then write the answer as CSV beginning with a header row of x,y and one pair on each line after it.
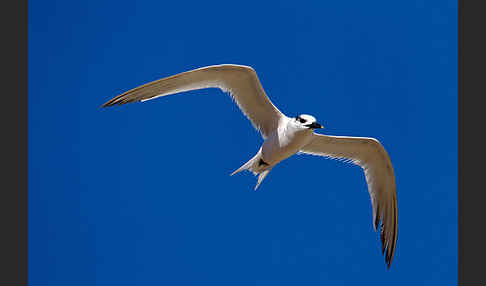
x,y
261,177
248,165
253,166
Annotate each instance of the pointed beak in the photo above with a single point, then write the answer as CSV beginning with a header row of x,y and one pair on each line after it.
x,y
315,125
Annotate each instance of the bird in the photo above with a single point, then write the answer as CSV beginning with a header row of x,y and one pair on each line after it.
x,y
285,136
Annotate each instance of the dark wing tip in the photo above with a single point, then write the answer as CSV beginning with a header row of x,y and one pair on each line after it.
x,y
386,249
388,245
118,100
106,104
110,102
389,258
388,263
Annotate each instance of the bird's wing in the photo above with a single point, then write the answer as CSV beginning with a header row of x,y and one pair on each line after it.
x,y
240,81
372,157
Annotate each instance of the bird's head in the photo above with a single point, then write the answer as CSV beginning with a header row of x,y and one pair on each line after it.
x,y
305,121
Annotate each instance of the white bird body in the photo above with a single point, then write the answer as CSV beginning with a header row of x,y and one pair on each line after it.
x,y
284,136
285,142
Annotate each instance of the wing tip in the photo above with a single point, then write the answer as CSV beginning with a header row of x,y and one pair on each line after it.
x,y
389,257
388,244
387,250
106,104
119,100
111,102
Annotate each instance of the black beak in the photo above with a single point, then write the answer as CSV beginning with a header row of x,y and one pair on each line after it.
x,y
315,125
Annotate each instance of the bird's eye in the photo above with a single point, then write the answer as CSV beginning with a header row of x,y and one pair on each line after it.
x,y
301,120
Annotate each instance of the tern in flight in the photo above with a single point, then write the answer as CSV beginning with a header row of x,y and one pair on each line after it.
x,y
285,136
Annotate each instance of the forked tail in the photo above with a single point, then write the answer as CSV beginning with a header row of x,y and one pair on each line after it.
x,y
256,165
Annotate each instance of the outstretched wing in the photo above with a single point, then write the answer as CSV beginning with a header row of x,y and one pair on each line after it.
x,y
372,157
240,81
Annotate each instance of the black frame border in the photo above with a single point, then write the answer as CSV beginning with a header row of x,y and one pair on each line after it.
x,y
470,199
13,194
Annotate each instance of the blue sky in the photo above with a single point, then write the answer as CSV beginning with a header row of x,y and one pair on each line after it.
x,y
122,196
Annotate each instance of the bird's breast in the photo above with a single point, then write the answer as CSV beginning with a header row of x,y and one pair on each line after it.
x,y
282,145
